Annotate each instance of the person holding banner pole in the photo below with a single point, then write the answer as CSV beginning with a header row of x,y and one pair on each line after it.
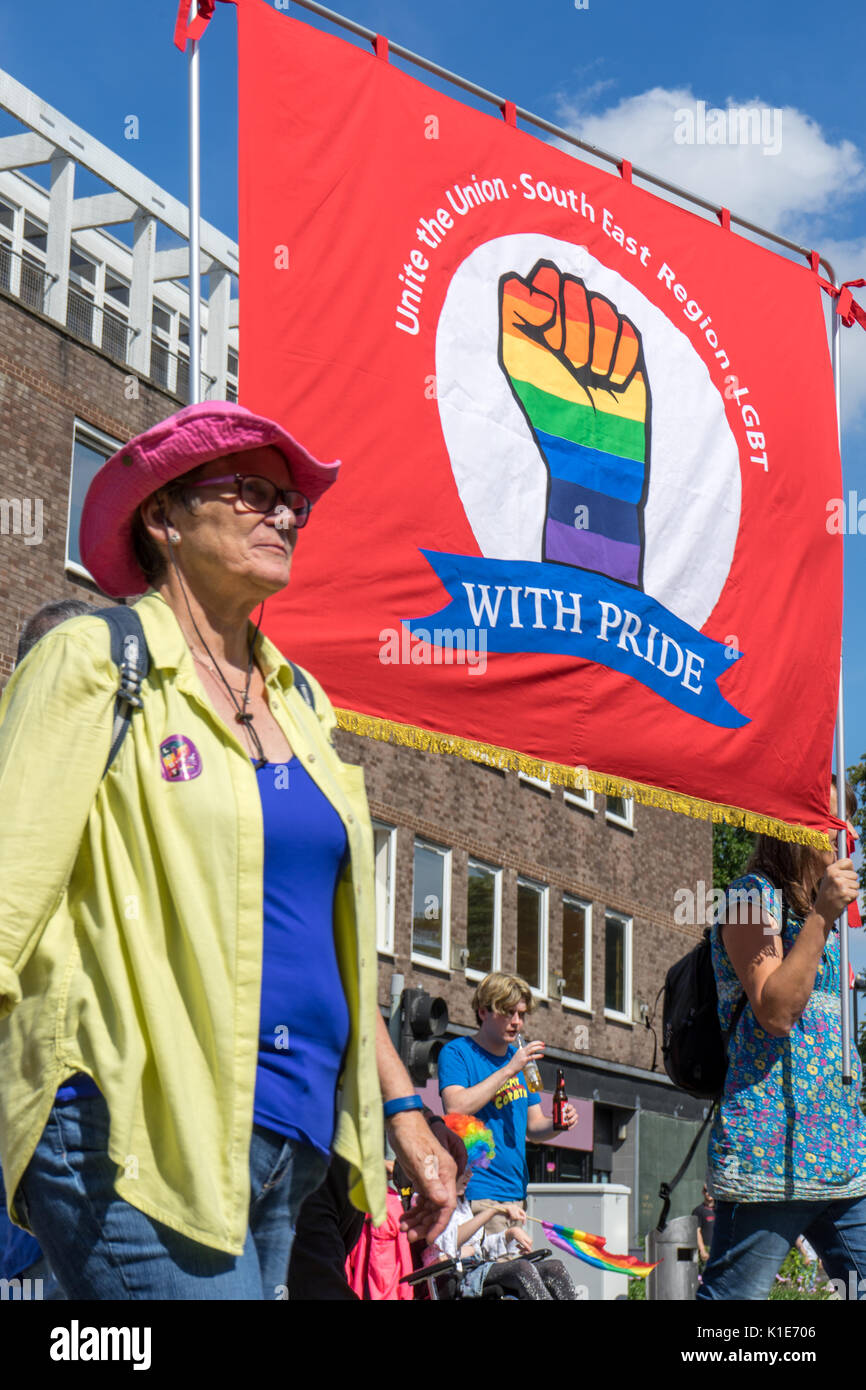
x,y
188,1014
787,1152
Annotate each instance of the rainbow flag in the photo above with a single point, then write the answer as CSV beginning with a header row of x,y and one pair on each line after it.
x,y
592,1249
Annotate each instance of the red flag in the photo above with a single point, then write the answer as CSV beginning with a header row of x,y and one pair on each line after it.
x,y
588,438
186,28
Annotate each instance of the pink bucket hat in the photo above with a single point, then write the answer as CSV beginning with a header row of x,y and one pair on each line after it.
x,y
195,435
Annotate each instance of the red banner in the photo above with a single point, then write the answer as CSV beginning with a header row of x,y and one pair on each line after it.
x,y
589,443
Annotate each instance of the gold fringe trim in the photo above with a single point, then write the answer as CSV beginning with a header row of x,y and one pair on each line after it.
x,y
579,778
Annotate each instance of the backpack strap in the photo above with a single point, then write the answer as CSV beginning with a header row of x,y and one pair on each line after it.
x,y
666,1188
304,687
130,654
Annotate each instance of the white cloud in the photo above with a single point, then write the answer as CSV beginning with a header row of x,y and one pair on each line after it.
x,y
804,192
808,177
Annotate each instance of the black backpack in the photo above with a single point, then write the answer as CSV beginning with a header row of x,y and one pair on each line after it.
x,y
694,1048
130,654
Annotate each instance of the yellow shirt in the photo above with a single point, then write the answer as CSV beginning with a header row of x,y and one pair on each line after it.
x,y
131,925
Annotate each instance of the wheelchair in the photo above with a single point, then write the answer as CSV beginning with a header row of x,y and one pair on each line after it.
x,y
446,1279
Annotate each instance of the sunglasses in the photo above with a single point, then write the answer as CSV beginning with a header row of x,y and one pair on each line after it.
x,y
259,494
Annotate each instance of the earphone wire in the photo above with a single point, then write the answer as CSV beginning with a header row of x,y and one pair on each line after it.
x,y
244,717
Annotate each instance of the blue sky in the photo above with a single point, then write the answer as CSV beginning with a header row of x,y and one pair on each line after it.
x,y
614,72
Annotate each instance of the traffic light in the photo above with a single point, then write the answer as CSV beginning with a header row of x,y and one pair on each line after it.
x,y
423,1021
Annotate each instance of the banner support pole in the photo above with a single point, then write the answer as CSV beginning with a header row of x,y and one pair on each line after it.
x,y
841,771
194,221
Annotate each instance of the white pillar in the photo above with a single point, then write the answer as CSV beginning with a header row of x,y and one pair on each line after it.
x,y
141,292
59,235
217,341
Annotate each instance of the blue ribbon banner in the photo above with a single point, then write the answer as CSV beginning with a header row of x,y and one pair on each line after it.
x,y
527,606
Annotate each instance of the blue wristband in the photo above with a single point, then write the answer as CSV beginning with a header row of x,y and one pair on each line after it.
x,y
394,1107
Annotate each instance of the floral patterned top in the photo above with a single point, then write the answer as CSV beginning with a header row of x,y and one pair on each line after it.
x,y
787,1129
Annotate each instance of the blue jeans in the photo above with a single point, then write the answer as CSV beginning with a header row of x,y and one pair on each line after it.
x,y
101,1247
751,1239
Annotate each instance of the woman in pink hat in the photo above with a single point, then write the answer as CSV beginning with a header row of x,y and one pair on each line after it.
x,y
188,1016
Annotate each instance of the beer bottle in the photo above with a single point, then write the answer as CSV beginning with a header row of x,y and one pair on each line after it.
x,y
530,1071
560,1100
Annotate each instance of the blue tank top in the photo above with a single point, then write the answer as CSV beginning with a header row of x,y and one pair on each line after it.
x,y
304,1018
304,1023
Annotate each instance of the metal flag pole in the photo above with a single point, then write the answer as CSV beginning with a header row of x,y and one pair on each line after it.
x,y
841,771
194,221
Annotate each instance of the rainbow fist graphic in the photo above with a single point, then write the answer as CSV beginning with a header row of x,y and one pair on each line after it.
x,y
576,368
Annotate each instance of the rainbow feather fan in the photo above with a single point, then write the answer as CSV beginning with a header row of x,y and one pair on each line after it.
x,y
477,1138
592,1249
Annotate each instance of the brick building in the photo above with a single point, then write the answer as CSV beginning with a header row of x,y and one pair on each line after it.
x,y
476,868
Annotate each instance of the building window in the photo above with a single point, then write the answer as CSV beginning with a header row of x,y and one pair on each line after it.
x,y
161,320
483,918
6,262
543,783
80,301
576,950
182,388
532,934
35,234
164,365
584,797
231,374
115,320
385,850
115,334
620,810
90,449
7,246
33,274
79,313
617,966
160,364
81,267
116,288
431,904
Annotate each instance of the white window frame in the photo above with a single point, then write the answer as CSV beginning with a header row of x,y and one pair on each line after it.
x,y
442,962
569,1000
496,954
628,922
584,798
543,783
543,933
98,441
626,821
386,927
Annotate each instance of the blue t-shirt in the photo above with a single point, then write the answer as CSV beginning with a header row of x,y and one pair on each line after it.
x,y
463,1063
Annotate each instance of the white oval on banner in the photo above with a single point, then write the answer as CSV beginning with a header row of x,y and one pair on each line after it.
x,y
692,511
